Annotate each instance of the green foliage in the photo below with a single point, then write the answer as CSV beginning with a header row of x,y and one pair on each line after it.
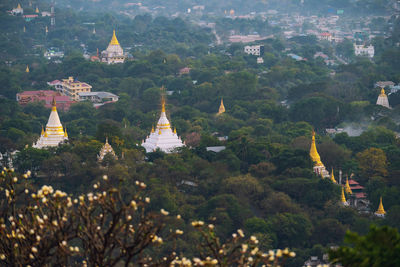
x,y
380,247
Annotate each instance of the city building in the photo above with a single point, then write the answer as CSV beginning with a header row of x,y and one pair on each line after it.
x,y
319,167
257,50
162,137
71,87
106,149
361,50
383,99
45,96
325,36
53,53
114,52
98,97
54,133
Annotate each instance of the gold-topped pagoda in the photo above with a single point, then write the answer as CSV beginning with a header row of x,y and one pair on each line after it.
x,y
319,167
343,198
381,211
54,133
37,10
333,177
383,99
221,107
347,187
27,69
106,149
114,52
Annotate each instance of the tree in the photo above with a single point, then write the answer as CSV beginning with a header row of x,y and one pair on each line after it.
x,y
372,162
380,247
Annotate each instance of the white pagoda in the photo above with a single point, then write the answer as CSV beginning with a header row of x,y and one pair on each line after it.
x,y
106,149
114,52
162,137
383,99
54,134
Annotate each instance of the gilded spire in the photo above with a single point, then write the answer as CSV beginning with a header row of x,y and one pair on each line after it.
x,y
45,134
37,10
314,153
174,130
347,187
381,210
42,133
383,92
152,129
65,132
159,131
27,69
162,104
343,198
221,107
54,104
114,40
19,6
333,177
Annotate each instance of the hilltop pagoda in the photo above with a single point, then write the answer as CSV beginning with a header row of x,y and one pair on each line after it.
x,y
383,99
343,198
54,133
319,167
381,211
106,149
114,52
163,137
221,108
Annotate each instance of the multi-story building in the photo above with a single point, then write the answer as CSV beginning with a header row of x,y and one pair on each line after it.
x,y
257,50
71,87
45,96
362,50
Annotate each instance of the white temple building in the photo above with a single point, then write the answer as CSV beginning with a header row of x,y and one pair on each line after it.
x,y
383,99
18,10
162,137
114,52
106,149
54,133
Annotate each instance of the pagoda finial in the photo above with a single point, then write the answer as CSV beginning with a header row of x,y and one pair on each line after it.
x,y
314,153
42,133
152,129
45,134
106,139
65,132
162,104
347,187
37,10
383,92
381,210
333,177
175,130
27,69
19,6
343,198
114,40
221,107
54,104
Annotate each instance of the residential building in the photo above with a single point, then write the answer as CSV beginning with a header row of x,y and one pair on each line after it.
x,y
45,96
257,50
71,87
362,50
98,97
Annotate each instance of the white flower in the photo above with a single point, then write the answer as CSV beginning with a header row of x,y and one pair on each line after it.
x,y
95,186
105,177
15,179
164,212
240,232
147,200
34,250
179,232
2,256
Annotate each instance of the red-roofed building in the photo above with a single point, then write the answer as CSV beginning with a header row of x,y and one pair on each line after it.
x,y
45,96
185,70
325,36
